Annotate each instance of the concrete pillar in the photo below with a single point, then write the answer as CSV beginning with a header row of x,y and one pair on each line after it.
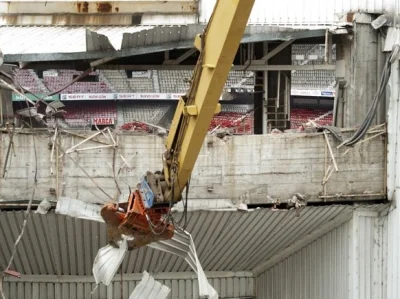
x,y
359,65
7,111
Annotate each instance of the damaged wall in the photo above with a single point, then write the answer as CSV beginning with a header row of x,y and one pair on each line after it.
x,y
250,169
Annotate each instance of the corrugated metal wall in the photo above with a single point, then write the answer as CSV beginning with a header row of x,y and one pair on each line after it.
x,y
306,12
368,251
229,287
319,270
392,260
348,262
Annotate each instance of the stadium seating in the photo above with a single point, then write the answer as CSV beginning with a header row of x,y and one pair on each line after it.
x,y
239,123
116,81
177,81
29,80
237,117
301,116
174,81
121,83
64,77
79,115
150,113
304,55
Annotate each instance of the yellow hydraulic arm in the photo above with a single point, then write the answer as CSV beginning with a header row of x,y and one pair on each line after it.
x,y
218,46
146,214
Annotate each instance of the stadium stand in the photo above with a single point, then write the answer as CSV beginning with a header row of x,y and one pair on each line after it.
x,y
29,80
117,81
79,115
150,113
144,85
172,81
300,116
121,83
64,77
239,123
311,54
237,117
239,79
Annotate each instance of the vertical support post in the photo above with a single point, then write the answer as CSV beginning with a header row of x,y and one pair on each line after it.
x,y
393,153
358,56
265,98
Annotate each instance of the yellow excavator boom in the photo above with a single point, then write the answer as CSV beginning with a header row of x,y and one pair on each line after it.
x,y
147,214
218,46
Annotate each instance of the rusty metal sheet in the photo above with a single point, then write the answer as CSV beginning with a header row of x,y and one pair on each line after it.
x,y
99,7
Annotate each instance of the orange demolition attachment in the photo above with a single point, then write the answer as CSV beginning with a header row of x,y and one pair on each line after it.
x,y
133,220
146,216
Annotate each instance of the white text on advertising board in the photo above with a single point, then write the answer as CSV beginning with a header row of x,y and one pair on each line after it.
x,y
103,121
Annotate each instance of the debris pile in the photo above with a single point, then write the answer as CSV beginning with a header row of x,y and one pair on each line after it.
x,y
136,126
231,120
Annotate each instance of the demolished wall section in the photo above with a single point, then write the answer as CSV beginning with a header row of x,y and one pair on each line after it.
x,y
254,169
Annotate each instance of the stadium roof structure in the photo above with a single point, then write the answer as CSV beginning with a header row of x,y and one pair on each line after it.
x,y
68,43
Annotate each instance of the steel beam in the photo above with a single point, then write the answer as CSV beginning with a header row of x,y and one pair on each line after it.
x,y
181,58
277,49
252,67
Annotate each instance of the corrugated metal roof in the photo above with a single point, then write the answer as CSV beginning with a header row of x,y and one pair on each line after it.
x,y
59,39
20,43
225,241
305,13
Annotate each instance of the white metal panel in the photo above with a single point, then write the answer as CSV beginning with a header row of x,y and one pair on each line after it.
x,y
319,270
365,263
305,12
393,253
393,181
58,39
233,241
235,285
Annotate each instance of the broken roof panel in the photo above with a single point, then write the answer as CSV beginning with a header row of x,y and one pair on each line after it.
x,y
52,43
149,288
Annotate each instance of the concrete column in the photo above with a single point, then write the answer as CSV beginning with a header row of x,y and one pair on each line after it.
x,y
7,111
359,64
